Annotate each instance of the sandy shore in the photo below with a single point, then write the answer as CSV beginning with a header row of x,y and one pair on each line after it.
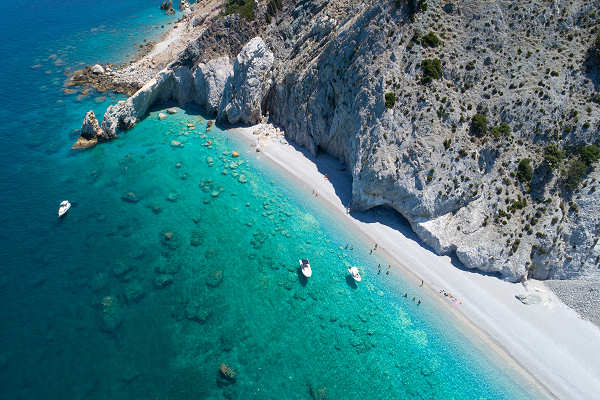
x,y
548,340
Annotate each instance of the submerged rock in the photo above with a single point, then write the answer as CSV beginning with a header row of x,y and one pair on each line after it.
x,y
197,238
162,281
214,278
111,314
317,392
226,375
130,197
134,292
121,269
196,312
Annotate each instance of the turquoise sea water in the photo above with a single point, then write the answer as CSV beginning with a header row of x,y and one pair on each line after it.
x,y
177,257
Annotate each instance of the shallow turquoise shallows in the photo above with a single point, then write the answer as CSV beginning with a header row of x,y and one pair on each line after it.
x,y
177,257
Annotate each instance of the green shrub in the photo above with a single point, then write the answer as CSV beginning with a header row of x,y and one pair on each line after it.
x,y
272,7
447,143
589,154
575,174
501,130
414,6
390,99
430,40
243,7
524,170
432,69
553,156
479,125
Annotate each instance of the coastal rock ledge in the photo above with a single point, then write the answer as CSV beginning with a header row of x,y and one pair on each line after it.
x,y
235,93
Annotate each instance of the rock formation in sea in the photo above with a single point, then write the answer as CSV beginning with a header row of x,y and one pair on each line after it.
x,y
477,124
90,131
167,6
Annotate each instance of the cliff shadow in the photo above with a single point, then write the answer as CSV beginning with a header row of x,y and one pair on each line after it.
x,y
591,67
341,180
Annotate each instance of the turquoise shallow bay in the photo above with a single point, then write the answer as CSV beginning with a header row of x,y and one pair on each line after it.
x,y
175,259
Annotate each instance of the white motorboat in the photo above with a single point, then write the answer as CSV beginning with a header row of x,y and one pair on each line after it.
x,y
305,267
64,207
355,274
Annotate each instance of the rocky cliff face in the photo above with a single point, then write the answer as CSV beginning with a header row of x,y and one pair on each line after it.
x,y
419,154
435,108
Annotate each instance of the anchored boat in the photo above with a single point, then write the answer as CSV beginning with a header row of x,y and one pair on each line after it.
x,y
355,274
305,267
64,207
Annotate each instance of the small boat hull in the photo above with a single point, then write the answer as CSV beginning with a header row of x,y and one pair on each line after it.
x,y
305,268
355,274
64,207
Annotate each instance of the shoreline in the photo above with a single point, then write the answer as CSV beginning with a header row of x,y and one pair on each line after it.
x,y
548,345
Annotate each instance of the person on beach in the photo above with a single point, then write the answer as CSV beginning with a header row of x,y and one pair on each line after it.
x,y
421,285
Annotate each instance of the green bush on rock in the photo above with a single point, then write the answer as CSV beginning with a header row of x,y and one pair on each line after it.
x,y
390,99
501,130
430,40
243,7
432,69
589,154
479,125
524,170
575,174
553,156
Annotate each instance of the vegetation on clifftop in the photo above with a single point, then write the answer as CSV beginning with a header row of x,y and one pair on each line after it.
x,y
243,7
432,69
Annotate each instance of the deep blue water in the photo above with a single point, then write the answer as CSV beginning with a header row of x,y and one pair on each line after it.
x,y
175,259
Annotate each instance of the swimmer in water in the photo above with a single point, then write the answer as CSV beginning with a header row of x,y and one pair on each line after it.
x,y
419,302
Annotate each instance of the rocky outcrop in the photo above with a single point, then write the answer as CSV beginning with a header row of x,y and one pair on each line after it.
x,y
209,82
167,6
234,93
184,6
126,113
245,90
90,130
335,64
